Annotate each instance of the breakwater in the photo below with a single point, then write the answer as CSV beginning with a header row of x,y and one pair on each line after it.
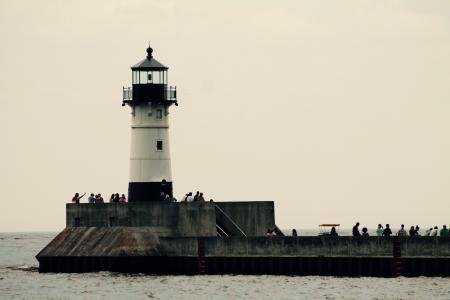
x,y
174,238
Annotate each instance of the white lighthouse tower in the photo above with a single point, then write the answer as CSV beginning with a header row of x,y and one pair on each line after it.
x,y
149,98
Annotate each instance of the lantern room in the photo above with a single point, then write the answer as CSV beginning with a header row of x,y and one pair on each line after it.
x,y
149,83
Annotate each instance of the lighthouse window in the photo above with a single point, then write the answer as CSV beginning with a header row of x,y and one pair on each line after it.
x,y
159,114
159,145
143,77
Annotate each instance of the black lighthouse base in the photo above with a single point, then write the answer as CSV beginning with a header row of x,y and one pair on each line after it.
x,y
149,191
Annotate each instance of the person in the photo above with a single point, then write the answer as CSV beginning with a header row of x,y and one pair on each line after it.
x,y
100,198
123,199
116,198
185,197
355,230
111,199
201,198
91,198
387,231
189,197
274,232
269,232
412,231
379,230
428,231
364,232
402,231
333,231
434,232
444,231
417,230
196,196
294,232
77,197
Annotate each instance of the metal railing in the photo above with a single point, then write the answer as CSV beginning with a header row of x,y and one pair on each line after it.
x,y
127,93
170,93
227,218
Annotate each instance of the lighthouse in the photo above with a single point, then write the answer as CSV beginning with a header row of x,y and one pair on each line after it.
x,y
149,98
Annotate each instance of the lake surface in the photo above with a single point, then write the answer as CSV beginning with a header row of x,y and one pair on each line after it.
x,y
19,279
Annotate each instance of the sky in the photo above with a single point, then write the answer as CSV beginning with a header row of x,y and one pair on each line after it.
x,y
336,110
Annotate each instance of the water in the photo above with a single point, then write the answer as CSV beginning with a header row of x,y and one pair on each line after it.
x,y
19,279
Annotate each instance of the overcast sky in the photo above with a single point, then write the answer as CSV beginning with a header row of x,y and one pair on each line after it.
x,y
336,110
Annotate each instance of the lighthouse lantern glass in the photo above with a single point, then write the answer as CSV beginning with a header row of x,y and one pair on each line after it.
x,y
149,77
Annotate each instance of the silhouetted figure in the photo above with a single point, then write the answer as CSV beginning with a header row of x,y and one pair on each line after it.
x,y
116,198
364,232
91,198
444,231
201,198
111,199
123,199
434,232
417,230
333,231
380,230
412,231
77,197
294,232
274,231
387,231
189,197
196,196
402,231
355,230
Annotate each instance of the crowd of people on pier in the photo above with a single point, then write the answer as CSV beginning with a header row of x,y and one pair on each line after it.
x,y
413,231
383,231
198,197
115,198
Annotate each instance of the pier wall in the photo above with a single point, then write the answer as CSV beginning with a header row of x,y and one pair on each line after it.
x,y
254,218
173,219
138,249
163,219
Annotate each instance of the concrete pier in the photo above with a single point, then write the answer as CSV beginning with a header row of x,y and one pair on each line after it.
x,y
182,238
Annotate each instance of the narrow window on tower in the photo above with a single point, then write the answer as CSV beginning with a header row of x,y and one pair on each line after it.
x,y
159,145
159,113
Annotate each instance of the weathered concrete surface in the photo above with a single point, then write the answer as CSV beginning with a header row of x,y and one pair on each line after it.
x,y
141,241
138,249
103,242
197,219
165,219
425,246
326,246
254,217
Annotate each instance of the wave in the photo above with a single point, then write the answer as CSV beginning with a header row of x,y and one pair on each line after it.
x,y
24,268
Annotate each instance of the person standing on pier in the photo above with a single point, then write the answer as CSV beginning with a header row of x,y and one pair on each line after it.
x,y
444,231
355,230
91,198
379,230
77,197
387,231
402,231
